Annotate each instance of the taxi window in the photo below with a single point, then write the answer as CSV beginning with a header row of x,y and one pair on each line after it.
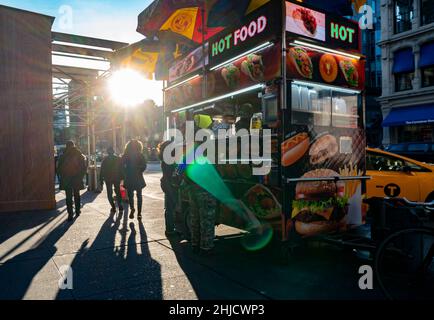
x,y
415,168
381,162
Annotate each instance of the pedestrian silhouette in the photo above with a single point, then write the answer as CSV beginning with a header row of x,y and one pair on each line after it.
x,y
133,165
112,174
71,170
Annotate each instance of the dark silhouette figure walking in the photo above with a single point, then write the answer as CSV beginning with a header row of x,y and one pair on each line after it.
x,y
133,165
112,174
72,169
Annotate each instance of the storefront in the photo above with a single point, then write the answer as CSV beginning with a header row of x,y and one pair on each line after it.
x,y
411,124
298,81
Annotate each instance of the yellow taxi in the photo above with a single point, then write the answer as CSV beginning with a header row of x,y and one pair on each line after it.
x,y
398,176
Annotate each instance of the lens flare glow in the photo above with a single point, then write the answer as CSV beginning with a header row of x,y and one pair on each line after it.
x,y
205,175
128,88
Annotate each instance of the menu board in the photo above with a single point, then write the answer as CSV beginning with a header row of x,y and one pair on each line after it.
x,y
309,65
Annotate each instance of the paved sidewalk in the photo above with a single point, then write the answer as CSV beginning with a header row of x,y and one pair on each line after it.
x,y
114,257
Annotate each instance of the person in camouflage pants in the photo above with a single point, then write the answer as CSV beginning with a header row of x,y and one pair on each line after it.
x,y
202,218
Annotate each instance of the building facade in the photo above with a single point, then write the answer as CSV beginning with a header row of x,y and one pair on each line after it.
x,y
371,36
26,123
407,46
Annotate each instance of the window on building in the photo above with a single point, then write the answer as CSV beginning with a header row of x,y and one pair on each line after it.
x,y
403,81
426,64
403,69
427,10
404,14
428,77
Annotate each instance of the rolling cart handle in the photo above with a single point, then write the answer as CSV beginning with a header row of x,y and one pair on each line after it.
x,y
336,179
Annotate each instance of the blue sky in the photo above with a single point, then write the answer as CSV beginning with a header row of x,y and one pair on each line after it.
x,y
108,19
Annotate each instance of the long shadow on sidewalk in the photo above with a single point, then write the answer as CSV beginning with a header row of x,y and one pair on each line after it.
x,y
104,269
17,274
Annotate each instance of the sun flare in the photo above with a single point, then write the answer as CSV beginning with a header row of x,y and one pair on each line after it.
x,y
129,88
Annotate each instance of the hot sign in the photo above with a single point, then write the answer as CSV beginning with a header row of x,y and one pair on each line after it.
x,y
343,33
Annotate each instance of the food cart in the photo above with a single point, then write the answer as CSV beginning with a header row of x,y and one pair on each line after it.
x,y
293,76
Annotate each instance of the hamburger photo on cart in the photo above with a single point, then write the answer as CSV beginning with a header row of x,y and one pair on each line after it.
x,y
320,202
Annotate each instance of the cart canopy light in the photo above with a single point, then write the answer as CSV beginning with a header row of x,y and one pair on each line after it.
x,y
338,89
255,49
231,94
182,82
324,49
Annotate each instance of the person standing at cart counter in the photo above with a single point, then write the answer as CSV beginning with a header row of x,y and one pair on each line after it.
x,y
133,165
245,114
111,174
72,169
170,194
202,214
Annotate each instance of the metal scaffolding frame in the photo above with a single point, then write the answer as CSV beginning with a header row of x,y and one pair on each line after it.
x,y
87,84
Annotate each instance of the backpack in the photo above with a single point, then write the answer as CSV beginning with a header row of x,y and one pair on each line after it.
x,y
72,166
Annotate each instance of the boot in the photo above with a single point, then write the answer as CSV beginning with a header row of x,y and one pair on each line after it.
x,y
70,215
132,211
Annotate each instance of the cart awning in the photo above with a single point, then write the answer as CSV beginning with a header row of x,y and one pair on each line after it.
x,y
422,114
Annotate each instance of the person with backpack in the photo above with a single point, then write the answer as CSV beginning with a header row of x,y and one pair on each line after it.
x,y
72,169
111,174
133,165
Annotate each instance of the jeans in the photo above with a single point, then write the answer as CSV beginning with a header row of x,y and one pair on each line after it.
x,y
70,193
117,187
139,199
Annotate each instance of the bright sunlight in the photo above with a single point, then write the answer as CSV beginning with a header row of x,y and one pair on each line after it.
x,y
129,88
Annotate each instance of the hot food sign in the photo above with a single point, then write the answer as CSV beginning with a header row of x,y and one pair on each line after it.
x,y
254,30
239,36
